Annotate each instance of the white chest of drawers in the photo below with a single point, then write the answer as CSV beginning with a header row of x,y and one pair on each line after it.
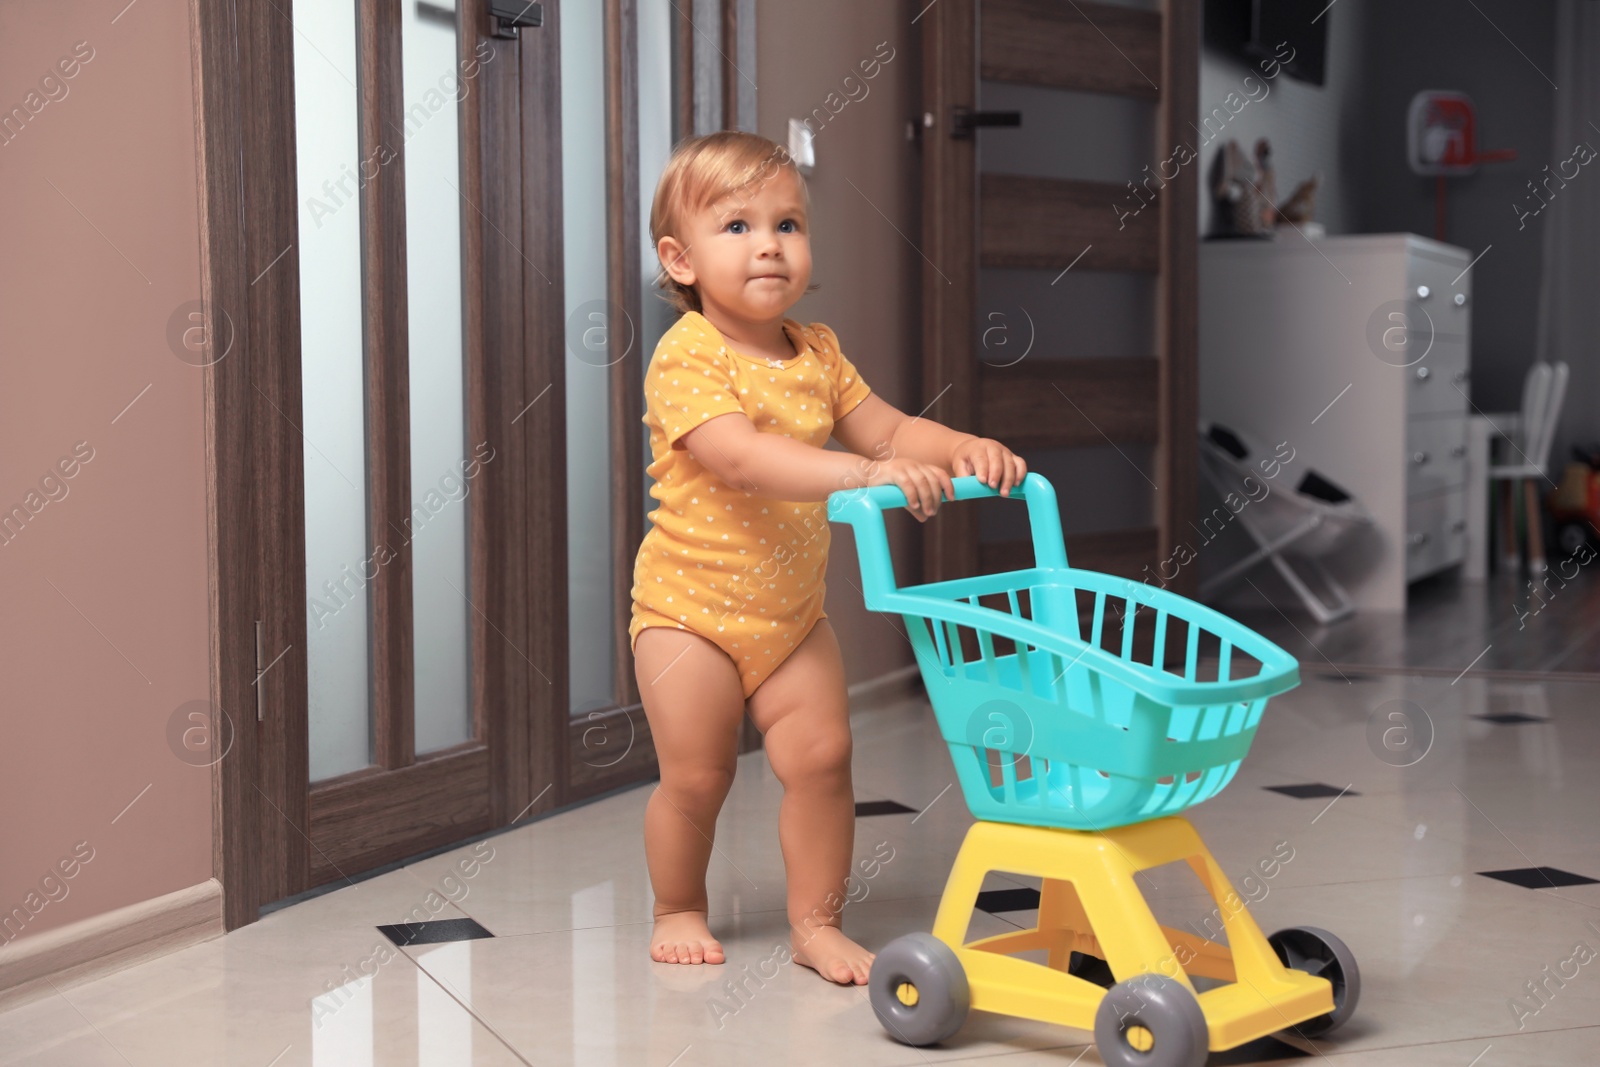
x,y
1355,351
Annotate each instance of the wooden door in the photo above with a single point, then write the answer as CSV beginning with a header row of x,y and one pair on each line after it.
x,y
1104,403
489,293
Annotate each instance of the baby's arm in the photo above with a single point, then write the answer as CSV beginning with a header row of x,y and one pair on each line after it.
x,y
874,427
770,465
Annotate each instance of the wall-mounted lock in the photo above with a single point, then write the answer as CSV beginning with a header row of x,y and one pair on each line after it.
x,y
511,15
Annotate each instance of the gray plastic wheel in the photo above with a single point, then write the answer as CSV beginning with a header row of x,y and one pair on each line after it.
x,y
1150,1020
1572,537
923,970
1315,951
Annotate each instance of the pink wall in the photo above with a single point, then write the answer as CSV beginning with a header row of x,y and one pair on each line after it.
x,y
104,626
104,618
870,274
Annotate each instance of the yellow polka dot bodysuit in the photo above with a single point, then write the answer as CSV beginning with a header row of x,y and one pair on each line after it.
x,y
744,571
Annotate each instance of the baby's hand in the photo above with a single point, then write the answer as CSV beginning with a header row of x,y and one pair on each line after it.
x,y
923,484
991,461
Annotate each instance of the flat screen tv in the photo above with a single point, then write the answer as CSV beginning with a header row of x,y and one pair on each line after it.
x,y
1256,30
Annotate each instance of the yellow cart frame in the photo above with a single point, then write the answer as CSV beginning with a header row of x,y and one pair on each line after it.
x,y
1090,903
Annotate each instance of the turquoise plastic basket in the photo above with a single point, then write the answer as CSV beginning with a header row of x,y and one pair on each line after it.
x,y
1064,731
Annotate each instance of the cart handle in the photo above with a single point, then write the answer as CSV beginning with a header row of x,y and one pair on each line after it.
x,y
863,508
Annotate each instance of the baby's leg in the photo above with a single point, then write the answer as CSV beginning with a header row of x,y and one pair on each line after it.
x,y
694,702
805,716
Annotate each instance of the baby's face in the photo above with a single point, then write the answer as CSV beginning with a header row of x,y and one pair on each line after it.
x,y
749,253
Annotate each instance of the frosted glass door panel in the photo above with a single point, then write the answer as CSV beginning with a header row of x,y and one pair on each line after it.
x,y
433,83
590,321
338,563
655,147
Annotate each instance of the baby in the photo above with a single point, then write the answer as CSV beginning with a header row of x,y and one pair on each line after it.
x,y
728,583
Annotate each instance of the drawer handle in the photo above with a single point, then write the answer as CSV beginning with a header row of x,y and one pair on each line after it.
x,y
1461,299
1458,451
1422,292
1422,374
1459,377
1420,538
1419,458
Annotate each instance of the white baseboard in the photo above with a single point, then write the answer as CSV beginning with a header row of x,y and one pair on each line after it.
x,y
892,687
33,966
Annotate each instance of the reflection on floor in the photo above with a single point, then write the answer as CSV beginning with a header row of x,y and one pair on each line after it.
x,y
1515,624
1458,861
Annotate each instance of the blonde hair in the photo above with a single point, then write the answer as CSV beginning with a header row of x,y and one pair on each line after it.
x,y
701,171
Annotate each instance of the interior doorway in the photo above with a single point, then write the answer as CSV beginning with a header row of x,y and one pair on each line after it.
x,y
422,299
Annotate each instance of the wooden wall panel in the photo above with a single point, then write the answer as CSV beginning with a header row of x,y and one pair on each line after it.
x,y
1079,45
373,817
625,314
497,396
541,431
386,335
1068,402
1048,222
1120,552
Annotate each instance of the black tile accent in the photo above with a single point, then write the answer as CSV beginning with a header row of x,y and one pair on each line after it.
x,y
1261,1050
1092,969
1510,718
1019,899
881,807
434,932
1310,790
1540,877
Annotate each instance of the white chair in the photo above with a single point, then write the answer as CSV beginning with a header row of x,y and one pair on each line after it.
x,y
1287,524
1525,457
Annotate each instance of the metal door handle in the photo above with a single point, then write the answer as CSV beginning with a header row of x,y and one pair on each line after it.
x,y
261,706
1419,458
1422,373
511,15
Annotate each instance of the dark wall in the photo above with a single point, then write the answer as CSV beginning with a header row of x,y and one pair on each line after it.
x,y
1501,53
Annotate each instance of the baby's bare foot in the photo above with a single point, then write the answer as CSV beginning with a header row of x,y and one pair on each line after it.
x,y
826,950
684,937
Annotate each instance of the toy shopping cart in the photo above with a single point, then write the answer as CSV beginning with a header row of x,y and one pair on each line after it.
x,y
1082,715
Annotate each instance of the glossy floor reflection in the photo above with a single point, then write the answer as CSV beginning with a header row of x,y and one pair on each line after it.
x,y
1459,968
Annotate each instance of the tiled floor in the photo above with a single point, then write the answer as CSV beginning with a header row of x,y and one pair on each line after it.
x,y
1389,857
1508,624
